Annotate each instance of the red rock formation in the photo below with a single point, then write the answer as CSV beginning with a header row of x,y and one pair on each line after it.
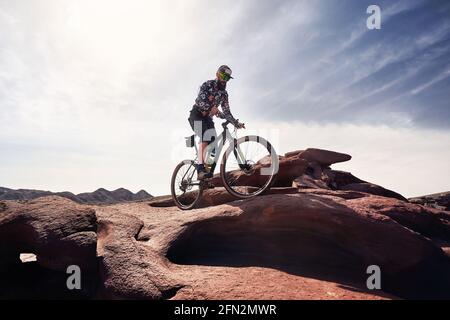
x,y
373,189
58,231
324,158
439,201
304,233
313,238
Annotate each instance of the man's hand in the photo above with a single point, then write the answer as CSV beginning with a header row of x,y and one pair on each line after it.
x,y
214,111
240,126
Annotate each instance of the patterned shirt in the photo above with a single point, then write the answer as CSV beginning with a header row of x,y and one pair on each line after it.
x,y
209,96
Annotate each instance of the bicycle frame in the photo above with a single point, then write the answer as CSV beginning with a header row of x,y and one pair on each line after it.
x,y
218,145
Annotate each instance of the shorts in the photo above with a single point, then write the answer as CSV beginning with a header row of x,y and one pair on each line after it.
x,y
203,126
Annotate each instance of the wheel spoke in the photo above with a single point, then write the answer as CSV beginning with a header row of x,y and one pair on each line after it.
x,y
246,180
185,190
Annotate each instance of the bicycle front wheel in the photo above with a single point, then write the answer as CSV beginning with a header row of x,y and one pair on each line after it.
x,y
185,187
249,167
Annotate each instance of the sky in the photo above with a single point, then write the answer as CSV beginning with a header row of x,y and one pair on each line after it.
x,y
96,93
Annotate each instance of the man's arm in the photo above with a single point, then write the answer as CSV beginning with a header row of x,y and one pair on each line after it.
x,y
226,113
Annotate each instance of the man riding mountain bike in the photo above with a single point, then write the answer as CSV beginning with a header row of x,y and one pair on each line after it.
x,y
212,94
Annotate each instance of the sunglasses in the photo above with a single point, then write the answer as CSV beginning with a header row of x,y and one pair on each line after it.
x,y
224,76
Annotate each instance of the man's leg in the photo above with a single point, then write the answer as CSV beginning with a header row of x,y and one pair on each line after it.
x,y
208,137
201,170
202,148
198,125
203,128
198,128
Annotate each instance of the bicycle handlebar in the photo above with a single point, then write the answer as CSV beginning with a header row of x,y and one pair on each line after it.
x,y
226,123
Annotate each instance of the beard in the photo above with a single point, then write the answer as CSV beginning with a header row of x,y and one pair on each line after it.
x,y
222,85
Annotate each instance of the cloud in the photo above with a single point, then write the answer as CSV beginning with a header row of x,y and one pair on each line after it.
x,y
445,74
351,67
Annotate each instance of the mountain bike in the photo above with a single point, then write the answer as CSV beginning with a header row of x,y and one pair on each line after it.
x,y
249,167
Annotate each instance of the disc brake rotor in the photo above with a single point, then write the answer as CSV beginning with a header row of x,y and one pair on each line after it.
x,y
185,185
248,167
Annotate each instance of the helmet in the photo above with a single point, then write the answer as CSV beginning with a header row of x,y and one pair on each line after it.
x,y
224,73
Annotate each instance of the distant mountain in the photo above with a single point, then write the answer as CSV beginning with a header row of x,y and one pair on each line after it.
x,y
99,196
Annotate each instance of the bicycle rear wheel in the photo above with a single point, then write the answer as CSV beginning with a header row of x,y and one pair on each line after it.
x,y
185,187
249,167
